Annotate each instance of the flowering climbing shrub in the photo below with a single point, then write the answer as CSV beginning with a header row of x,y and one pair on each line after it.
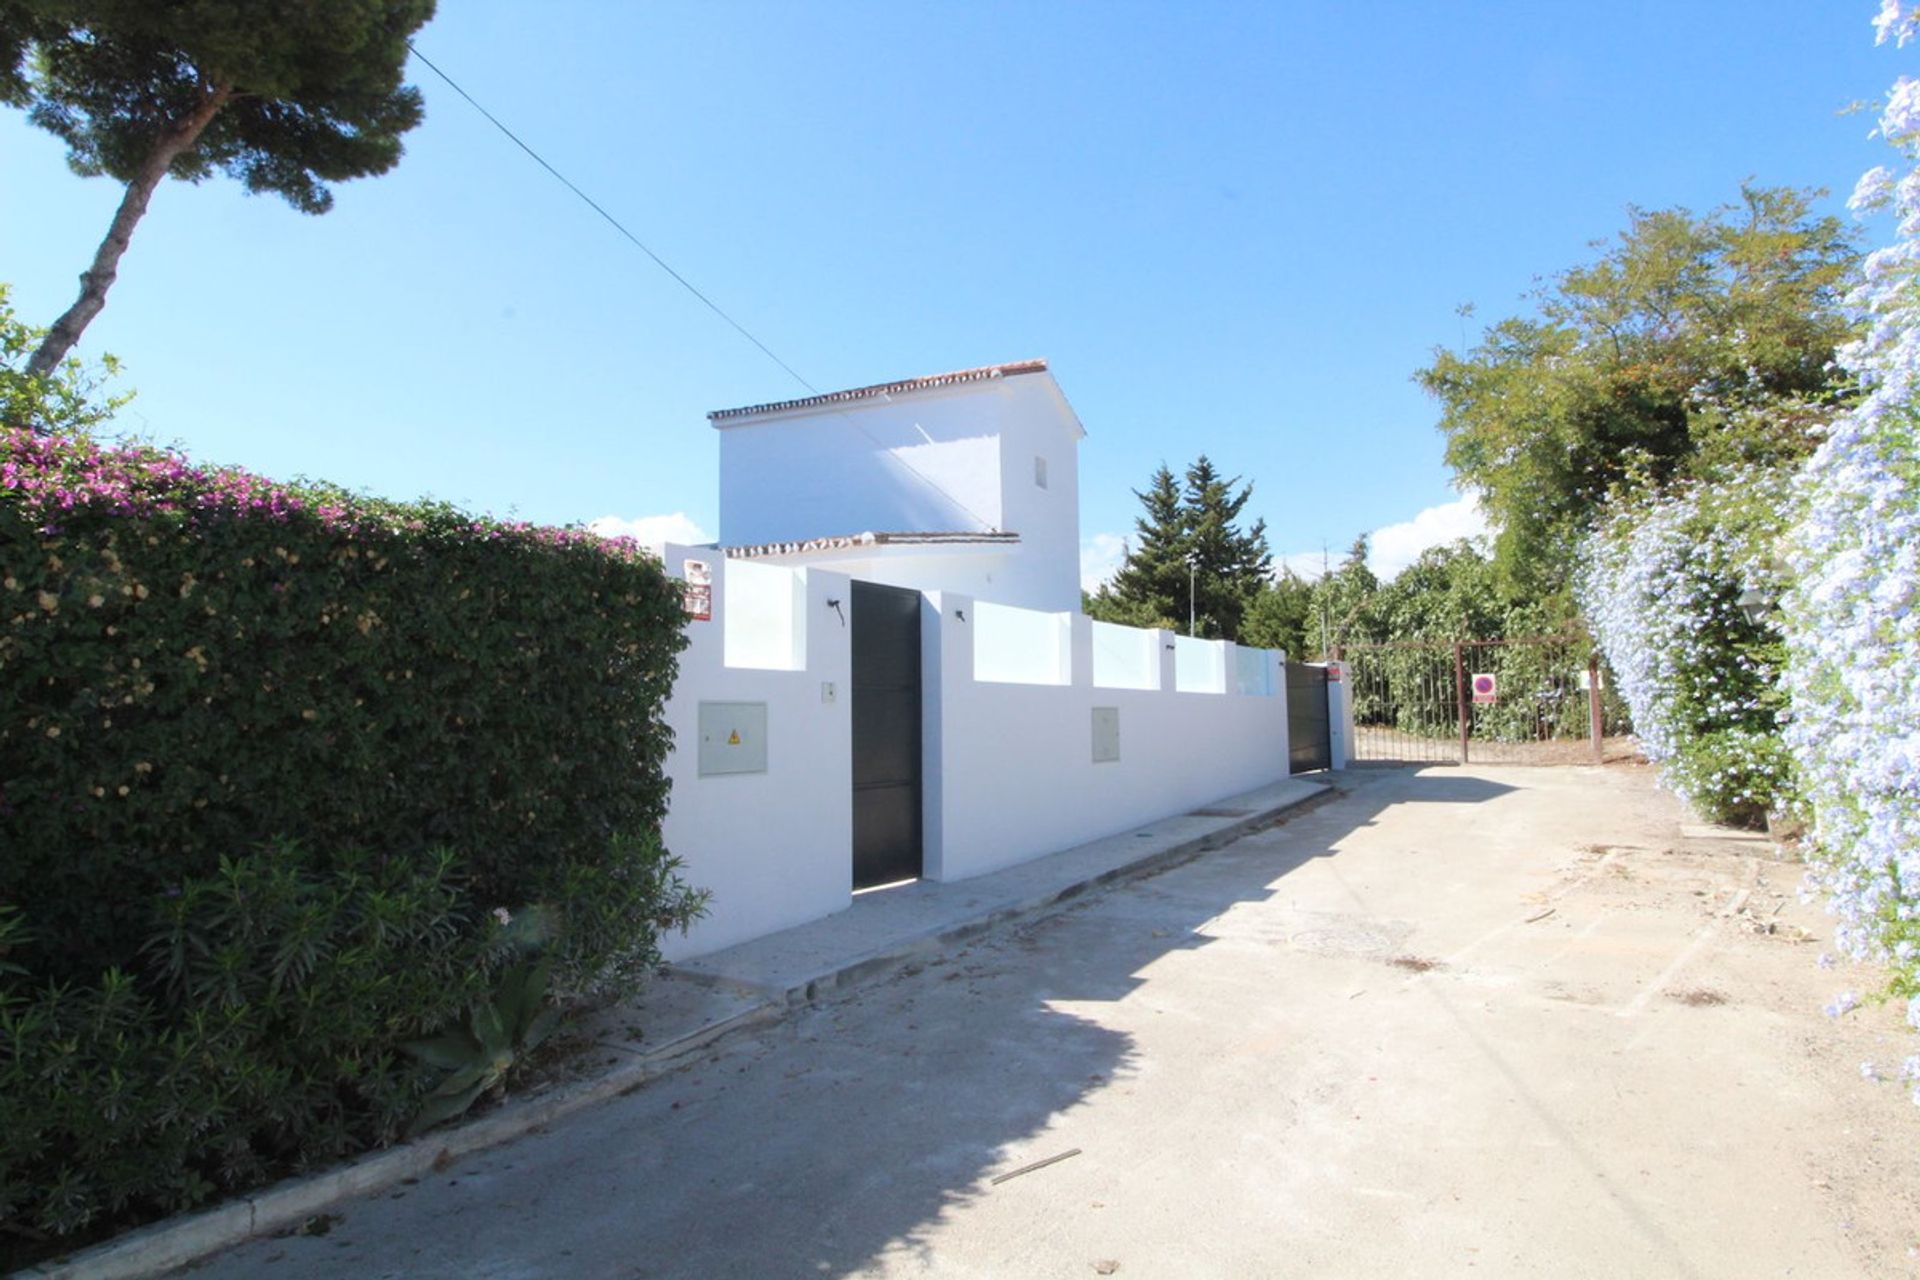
x,y
1851,627
1660,585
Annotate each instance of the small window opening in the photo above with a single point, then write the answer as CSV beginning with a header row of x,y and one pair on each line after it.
x,y
1040,471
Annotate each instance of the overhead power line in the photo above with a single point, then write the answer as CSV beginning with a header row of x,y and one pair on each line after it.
x,y
612,221
684,283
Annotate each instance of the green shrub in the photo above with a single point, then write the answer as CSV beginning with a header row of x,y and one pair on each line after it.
x,y
1661,586
1734,776
596,945
264,1039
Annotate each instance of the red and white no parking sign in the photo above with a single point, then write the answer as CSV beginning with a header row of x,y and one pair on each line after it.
x,y
1486,687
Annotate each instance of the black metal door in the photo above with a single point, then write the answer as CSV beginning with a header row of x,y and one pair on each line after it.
x,y
1309,730
886,734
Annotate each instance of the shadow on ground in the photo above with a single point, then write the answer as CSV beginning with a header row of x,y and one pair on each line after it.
x,y
839,1137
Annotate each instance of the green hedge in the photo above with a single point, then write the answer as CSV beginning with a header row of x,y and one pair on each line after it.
x,y
194,661
278,766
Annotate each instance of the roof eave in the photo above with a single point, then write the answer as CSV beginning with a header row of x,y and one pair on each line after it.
x,y
723,418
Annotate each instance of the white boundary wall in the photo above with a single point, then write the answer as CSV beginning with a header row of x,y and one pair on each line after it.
x,y
773,847
1009,772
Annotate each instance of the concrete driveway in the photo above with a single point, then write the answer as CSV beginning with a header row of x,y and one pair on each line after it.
x,y
1461,1021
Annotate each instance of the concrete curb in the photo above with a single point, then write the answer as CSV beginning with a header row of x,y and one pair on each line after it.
x,y
176,1242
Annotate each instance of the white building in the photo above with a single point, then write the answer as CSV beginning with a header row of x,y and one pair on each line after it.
x,y
888,675
965,481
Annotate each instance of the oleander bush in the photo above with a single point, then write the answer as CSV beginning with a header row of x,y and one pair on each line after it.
x,y
258,1035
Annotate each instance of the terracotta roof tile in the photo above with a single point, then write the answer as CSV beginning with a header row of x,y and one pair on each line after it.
x,y
982,374
861,541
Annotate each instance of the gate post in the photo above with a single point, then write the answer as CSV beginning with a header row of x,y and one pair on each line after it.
x,y
1460,698
1595,725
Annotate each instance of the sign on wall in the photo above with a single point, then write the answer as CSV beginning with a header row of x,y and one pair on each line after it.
x,y
1486,687
733,738
698,598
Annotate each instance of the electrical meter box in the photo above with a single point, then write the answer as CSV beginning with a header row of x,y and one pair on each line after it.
x,y
733,738
1106,734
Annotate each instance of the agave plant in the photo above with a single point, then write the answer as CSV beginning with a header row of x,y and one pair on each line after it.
x,y
479,1051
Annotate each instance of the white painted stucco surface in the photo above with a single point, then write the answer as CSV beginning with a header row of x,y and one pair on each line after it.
x,y
981,573
772,847
961,458
1007,767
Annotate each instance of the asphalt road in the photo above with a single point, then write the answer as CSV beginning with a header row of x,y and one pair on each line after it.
x,y
1463,1021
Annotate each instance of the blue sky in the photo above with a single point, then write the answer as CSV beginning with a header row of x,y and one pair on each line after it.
x,y
1232,229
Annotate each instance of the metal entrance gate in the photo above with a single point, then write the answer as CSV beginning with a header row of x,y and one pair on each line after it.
x,y
1309,728
886,734
1537,700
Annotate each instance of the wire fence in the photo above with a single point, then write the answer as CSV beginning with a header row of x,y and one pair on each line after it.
x,y
1533,700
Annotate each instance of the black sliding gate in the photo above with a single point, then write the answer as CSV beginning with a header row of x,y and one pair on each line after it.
x,y
1309,728
886,734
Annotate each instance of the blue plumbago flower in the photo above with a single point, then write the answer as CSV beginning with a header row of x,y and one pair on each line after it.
x,y
1835,731
1896,22
1852,553
1660,587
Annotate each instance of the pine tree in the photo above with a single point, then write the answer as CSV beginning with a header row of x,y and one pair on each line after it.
x,y
1189,562
1230,567
285,95
1152,581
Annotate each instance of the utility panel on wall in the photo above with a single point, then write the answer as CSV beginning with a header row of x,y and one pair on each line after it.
x,y
733,738
1106,734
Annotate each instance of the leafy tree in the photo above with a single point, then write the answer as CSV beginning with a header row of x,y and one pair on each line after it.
x,y
1189,557
1282,616
284,95
1341,599
1694,345
1106,606
1450,593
